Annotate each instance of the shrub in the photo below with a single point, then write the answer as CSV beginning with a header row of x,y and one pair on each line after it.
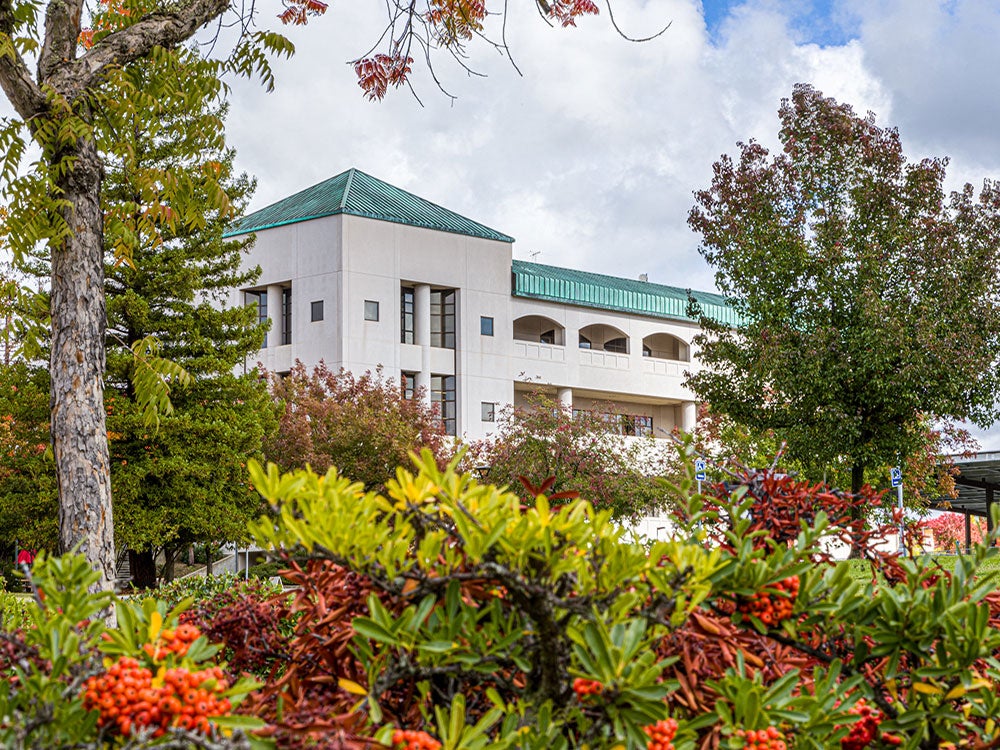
x,y
444,611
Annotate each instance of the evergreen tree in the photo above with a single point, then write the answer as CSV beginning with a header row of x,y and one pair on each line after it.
x,y
184,481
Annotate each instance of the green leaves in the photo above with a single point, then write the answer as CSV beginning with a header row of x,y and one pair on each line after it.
x,y
152,379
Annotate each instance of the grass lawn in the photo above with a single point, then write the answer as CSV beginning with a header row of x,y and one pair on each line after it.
x,y
861,569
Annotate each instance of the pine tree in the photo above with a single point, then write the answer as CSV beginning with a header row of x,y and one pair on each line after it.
x,y
183,481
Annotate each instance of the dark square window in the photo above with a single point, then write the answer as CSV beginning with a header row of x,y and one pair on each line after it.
x,y
489,411
317,310
485,325
371,309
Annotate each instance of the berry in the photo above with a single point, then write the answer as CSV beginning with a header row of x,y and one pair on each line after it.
x,y
762,739
660,734
772,608
410,739
864,731
583,687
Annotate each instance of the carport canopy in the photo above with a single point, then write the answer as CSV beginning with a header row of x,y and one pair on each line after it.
x,y
978,485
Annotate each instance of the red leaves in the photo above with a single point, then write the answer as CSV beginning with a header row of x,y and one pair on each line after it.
x,y
567,11
298,12
376,74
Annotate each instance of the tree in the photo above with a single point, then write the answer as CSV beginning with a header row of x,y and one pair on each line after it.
x,y
57,203
586,453
866,295
182,482
361,424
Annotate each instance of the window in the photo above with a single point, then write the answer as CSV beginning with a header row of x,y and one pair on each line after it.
x,y
408,384
286,315
371,310
443,318
316,309
443,394
489,411
258,299
584,342
406,315
619,346
639,425
646,351
485,325
548,337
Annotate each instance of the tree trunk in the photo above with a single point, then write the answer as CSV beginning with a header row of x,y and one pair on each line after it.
x,y
143,566
857,481
76,365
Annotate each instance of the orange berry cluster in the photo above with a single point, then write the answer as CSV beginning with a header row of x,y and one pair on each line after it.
x,y
762,739
173,641
770,608
864,731
411,739
583,687
660,735
126,698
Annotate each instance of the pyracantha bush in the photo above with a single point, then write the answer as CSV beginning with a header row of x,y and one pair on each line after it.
x,y
448,608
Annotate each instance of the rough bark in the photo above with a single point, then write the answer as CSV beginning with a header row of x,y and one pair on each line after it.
x,y
76,366
79,434
143,567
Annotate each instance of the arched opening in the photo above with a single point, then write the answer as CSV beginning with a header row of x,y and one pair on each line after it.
x,y
540,330
665,346
603,337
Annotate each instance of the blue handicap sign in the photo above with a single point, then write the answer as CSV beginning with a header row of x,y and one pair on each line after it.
x,y
896,476
699,469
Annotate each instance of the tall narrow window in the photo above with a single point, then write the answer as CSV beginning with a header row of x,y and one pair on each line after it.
x,y
258,298
443,318
316,310
286,315
406,315
408,384
443,394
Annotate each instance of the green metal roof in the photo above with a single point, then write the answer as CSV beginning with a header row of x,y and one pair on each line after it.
x,y
537,281
358,194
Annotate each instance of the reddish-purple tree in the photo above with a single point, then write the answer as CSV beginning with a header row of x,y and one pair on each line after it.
x,y
362,424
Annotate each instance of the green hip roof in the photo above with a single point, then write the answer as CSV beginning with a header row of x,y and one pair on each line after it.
x,y
568,286
358,194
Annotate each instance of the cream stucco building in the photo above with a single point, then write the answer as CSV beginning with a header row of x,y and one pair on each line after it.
x,y
362,274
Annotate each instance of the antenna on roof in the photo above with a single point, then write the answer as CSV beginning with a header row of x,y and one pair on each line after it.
x,y
534,254
643,277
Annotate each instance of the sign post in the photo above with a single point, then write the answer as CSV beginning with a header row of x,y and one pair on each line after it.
x,y
700,467
896,479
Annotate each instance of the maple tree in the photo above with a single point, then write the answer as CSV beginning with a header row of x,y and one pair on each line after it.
x,y
865,293
63,68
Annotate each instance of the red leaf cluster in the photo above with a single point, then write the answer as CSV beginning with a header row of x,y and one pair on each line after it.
x,y
298,12
377,73
567,11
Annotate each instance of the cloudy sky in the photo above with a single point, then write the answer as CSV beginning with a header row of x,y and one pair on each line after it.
x,y
590,155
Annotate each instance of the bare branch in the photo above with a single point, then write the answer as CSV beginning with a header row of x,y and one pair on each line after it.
x,y
628,38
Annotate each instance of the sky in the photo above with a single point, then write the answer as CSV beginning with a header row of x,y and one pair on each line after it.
x,y
589,150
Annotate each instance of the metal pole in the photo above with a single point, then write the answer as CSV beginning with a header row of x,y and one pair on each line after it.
x,y
899,496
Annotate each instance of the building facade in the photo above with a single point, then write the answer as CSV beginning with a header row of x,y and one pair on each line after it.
x,y
361,274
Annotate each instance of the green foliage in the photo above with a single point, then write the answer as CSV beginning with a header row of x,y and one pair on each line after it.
x,y
864,292
583,452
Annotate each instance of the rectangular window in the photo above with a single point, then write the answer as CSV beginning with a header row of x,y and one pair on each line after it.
x,y
485,325
443,394
639,425
408,384
371,309
489,411
443,318
316,310
258,298
406,296
286,315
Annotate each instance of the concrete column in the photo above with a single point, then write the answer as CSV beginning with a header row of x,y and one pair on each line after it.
x,y
274,314
565,396
689,414
422,335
